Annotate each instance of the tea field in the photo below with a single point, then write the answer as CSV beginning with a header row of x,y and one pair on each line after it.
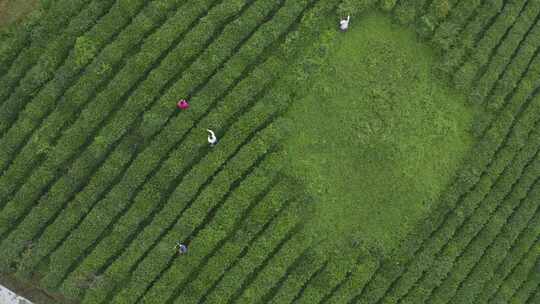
x,y
395,162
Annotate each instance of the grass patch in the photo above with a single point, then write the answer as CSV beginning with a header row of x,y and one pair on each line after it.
x,y
12,11
378,136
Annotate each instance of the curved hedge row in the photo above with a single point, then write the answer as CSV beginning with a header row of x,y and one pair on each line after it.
x,y
493,255
526,267
469,36
296,277
438,283
169,209
504,263
523,40
130,184
510,121
53,22
528,287
349,291
53,122
69,184
218,224
39,27
262,216
33,85
519,204
492,39
447,35
282,234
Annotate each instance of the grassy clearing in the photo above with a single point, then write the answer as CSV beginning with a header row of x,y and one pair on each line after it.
x,y
379,136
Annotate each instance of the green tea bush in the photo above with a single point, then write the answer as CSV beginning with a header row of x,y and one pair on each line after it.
x,y
28,43
32,116
447,35
500,30
130,185
509,54
262,216
454,57
46,69
526,271
207,238
507,261
280,234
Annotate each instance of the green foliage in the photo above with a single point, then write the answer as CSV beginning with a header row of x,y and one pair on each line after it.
x,y
387,5
100,173
85,50
442,8
354,7
379,129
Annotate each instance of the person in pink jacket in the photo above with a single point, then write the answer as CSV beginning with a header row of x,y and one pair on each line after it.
x,y
182,104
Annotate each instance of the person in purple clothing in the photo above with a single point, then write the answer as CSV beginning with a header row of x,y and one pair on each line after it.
x,y
181,248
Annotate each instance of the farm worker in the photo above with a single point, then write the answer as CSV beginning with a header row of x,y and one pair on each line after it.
x,y
181,248
344,24
212,139
183,104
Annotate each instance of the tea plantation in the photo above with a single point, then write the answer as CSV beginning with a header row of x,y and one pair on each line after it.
x,y
395,162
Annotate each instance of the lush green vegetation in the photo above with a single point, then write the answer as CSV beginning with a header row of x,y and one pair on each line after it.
x,y
397,162
378,137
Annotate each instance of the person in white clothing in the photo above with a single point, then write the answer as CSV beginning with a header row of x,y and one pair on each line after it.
x,y
344,24
212,139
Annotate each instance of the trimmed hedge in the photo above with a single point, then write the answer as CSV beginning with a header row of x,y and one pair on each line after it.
x,y
432,230
528,288
529,265
277,265
469,37
281,234
30,40
493,39
53,57
38,27
191,216
513,94
118,207
520,206
448,34
296,277
504,262
79,172
262,216
220,223
522,40
45,209
356,281
524,63
168,209
337,273
52,123
439,283
130,185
